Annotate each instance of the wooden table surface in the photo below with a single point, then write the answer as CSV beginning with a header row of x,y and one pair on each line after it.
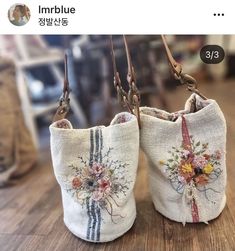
x,y
31,216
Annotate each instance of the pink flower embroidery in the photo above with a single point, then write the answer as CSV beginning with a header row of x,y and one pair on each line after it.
x,y
98,182
76,183
206,156
104,185
97,169
199,161
217,154
195,165
182,179
185,154
97,195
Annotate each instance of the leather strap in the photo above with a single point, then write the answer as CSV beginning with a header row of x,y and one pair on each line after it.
x,y
64,106
66,81
121,93
133,94
175,66
177,71
131,71
132,99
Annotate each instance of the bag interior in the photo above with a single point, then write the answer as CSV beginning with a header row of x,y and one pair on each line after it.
x,y
194,104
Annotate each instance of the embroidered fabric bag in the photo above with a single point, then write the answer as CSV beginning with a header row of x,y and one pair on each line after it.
x,y
96,169
186,153
17,152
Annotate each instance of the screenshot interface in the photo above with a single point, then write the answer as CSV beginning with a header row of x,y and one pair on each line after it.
x,y
117,125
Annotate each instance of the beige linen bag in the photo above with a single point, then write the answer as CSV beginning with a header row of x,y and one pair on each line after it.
x,y
186,154
96,170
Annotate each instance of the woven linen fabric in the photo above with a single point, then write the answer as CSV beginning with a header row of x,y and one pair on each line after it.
x,y
96,170
186,155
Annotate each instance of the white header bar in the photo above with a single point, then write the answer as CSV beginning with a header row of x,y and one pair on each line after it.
x,y
123,17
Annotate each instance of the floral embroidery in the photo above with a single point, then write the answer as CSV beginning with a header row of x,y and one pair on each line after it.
x,y
96,184
192,167
198,166
101,183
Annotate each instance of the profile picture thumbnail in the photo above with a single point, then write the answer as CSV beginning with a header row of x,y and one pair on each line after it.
x,y
19,14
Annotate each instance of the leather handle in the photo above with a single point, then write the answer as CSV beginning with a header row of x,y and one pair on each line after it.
x,y
175,66
178,71
131,71
133,94
121,93
64,106
132,99
66,81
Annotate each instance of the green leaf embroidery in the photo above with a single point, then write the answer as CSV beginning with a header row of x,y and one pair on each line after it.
x,y
198,143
